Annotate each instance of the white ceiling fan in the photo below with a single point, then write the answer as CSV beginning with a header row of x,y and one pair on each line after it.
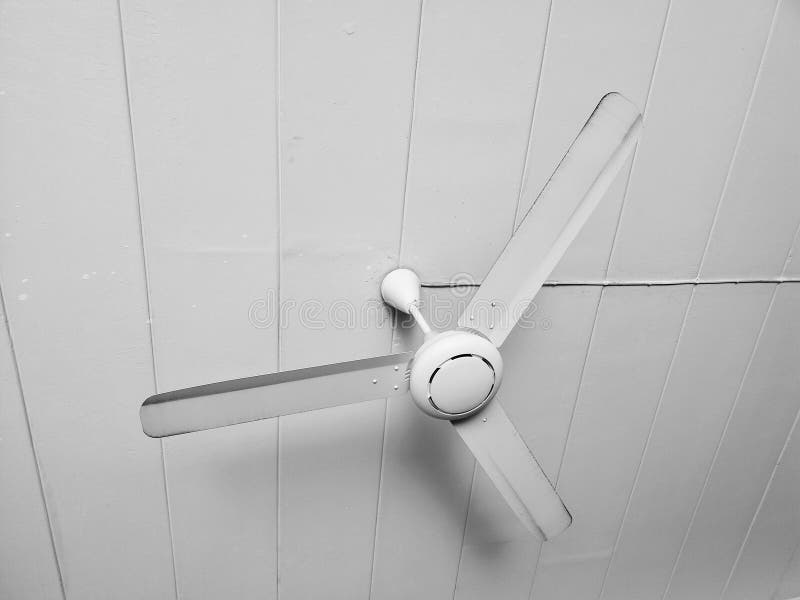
x,y
454,375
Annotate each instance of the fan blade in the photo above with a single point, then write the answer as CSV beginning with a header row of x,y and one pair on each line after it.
x,y
579,182
266,396
512,468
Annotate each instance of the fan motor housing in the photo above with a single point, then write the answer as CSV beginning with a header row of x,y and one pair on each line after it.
x,y
455,374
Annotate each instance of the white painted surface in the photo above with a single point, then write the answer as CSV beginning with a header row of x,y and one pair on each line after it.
x,y
746,457
789,587
346,79
775,530
71,266
425,484
543,368
759,212
223,508
201,82
702,84
629,354
593,48
580,182
718,339
792,266
28,567
476,82
359,508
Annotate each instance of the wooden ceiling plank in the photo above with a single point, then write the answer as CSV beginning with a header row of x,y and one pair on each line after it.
x,y
593,48
719,337
544,359
203,103
754,435
632,348
28,563
705,74
476,83
425,483
71,265
759,212
347,78
775,531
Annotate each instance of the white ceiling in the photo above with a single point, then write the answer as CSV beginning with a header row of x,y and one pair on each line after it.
x,y
170,170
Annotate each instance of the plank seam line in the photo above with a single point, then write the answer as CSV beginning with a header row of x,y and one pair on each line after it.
x,y
403,211
142,237
711,465
565,447
760,505
529,140
466,523
580,386
414,85
635,157
279,271
739,137
39,477
381,467
633,282
650,431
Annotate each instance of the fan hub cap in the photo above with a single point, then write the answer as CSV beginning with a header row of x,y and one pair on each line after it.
x,y
461,384
455,374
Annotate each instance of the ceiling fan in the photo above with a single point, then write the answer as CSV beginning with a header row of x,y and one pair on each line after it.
x,y
455,374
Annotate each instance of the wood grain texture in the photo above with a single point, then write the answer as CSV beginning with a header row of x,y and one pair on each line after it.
x,y
630,352
476,82
719,337
28,567
593,48
203,103
746,457
774,533
759,212
543,364
71,265
346,84
703,80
